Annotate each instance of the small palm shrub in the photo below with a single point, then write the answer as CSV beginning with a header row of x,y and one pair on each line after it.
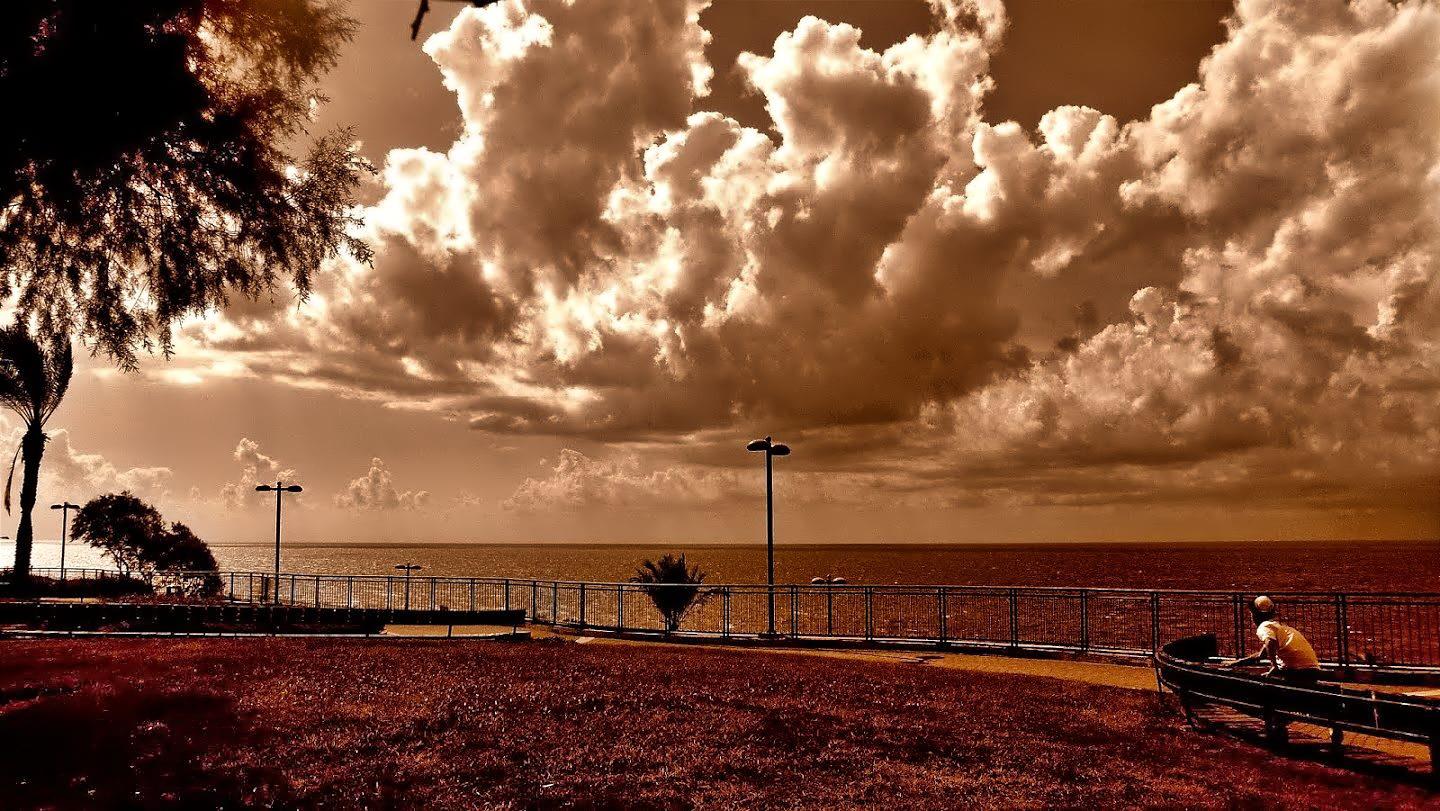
x,y
672,586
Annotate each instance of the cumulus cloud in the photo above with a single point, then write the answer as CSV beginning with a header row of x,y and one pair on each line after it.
x,y
1238,290
576,481
82,476
255,468
70,473
376,491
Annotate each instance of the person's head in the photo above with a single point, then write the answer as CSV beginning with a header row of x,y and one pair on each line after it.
x,y
1262,609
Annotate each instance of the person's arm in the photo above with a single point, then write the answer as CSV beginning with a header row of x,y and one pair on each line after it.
x,y
1267,651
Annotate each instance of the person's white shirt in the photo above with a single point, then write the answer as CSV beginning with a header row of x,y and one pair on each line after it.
x,y
1291,647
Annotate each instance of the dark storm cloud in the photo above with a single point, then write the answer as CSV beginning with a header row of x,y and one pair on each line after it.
x,y
887,275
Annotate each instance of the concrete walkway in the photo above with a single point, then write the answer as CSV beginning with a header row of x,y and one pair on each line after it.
x,y
1105,674
1100,673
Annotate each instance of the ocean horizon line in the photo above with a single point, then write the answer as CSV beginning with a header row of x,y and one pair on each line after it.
x,y
805,545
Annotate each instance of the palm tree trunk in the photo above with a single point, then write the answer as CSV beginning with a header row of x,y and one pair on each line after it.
x,y
32,448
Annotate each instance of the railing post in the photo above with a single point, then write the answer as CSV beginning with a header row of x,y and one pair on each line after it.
x,y
794,610
943,616
1084,619
472,594
725,612
317,591
869,615
620,607
1342,631
534,598
292,589
507,594
1014,618
555,602
389,592
350,591
829,609
1154,621
1238,647
434,603
582,605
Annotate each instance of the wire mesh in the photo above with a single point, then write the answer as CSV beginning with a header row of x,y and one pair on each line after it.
x,y
1391,630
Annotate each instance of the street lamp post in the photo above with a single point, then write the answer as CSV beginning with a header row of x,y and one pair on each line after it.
x,y
278,488
771,449
407,568
64,507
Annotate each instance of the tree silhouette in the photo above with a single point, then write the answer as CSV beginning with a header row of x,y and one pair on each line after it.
x,y
132,533
144,172
33,380
673,587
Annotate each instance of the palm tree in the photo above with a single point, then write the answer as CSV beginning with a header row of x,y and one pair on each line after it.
x,y
33,380
673,587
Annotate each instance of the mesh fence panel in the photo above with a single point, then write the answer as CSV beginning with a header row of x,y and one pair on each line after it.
x,y
1394,630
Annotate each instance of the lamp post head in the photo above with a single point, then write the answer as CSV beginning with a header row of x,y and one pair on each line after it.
x,y
768,445
276,487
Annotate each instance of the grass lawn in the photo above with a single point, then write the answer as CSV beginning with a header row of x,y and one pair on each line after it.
x,y
346,723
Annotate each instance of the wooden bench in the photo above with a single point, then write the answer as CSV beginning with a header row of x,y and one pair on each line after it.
x,y
1190,669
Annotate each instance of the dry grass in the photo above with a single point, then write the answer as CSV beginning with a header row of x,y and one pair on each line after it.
x,y
343,723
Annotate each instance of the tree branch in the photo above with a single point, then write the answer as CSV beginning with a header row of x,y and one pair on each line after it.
x,y
425,9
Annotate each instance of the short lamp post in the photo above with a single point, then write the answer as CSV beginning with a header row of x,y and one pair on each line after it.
x,y
771,449
64,507
278,488
829,581
407,568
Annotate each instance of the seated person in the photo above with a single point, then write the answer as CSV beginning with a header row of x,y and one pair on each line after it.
x,y
1290,655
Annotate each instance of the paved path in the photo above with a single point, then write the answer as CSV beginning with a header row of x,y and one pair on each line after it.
x,y
1131,677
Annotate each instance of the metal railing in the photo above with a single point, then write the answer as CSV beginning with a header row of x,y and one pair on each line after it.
x,y
1395,630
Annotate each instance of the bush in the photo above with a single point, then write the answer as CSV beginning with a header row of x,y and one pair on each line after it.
x,y
673,587
105,586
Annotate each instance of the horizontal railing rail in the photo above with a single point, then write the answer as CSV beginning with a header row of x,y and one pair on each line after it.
x,y
1358,629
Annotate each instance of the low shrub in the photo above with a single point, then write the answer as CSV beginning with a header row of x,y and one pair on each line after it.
x,y
104,587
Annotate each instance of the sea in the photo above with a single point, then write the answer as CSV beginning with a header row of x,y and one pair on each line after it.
x,y
1351,566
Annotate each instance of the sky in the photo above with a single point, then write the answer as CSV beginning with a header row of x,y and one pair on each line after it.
x,y
1040,271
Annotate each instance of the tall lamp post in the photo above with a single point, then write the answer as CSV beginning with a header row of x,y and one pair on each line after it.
x,y
64,507
771,449
278,488
407,568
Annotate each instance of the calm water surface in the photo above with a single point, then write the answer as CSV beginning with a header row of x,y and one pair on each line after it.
x,y
1254,566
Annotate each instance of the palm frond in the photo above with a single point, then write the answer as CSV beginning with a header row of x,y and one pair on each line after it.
x,y
33,380
60,366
